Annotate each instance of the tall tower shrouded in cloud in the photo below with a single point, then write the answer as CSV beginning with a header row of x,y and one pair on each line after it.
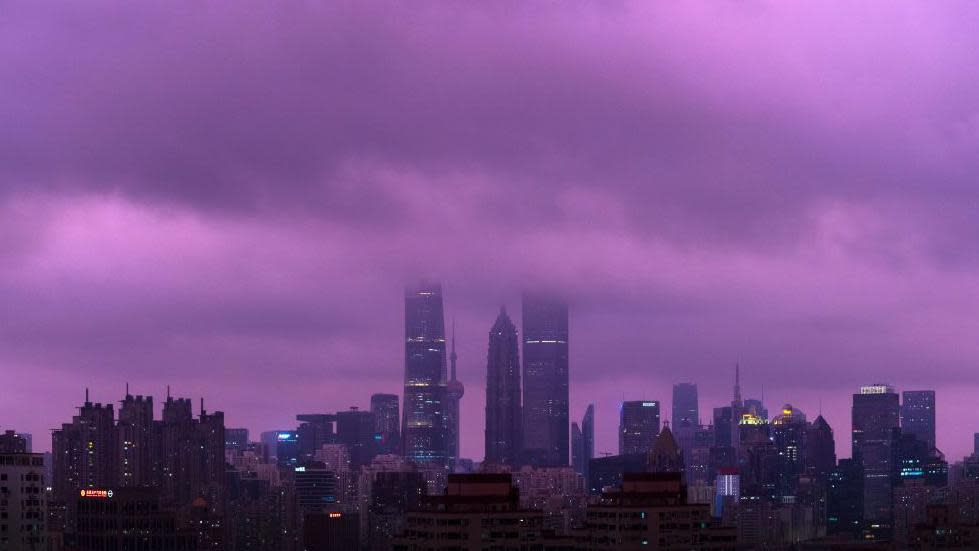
x,y
424,437
454,393
545,379
503,417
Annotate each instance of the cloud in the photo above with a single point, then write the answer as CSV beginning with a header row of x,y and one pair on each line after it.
x,y
232,195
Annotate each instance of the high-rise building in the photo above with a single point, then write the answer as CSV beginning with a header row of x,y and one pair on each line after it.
x,y
685,405
314,430
844,499
13,442
666,455
820,448
545,379
23,502
876,414
588,436
454,391
136,439
503,417
723,426
387,422
84,451
191,454
424,430
686,417
316,486
918,415
975,444
638,426
235,440
788,431
355,429
584,450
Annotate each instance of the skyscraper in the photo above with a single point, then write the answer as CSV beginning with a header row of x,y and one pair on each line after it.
x,y
545,379
454,391
788,432
355,429
685,405
424,437
686,417
876,414
386,422
583,442
84,451
135,441
503,418
638,426
588,434
820,448
918,415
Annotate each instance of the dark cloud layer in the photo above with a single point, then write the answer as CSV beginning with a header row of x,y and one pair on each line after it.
x,y
229,197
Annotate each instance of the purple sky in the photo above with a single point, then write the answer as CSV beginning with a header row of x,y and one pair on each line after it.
x,y
230,196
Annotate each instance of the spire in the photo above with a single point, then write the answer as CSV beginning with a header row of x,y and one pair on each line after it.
x,y
452,356
86,395
127,389
202,405
737,383
168,393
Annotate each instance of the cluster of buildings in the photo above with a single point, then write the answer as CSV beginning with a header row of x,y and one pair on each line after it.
x,y
391,477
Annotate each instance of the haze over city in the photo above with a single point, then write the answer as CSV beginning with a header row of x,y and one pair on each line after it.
x,y
232,199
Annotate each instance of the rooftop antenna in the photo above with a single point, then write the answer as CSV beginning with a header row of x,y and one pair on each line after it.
x,y
452,356
202,405
86,395
168,392
737,383
127,388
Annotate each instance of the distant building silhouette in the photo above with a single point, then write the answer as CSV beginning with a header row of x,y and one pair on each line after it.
x,y
686,405
666,456
583,451
387,422
820,448
355,429
503,414
545,379
918,415
638,426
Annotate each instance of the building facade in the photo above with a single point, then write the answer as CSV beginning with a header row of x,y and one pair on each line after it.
x,y
918,415
503,411
424,430
546,421
638,426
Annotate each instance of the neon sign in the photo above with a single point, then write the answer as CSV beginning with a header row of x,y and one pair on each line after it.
x,y
97,494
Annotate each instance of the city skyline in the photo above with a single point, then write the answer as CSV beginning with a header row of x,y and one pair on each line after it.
x,y
231,201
